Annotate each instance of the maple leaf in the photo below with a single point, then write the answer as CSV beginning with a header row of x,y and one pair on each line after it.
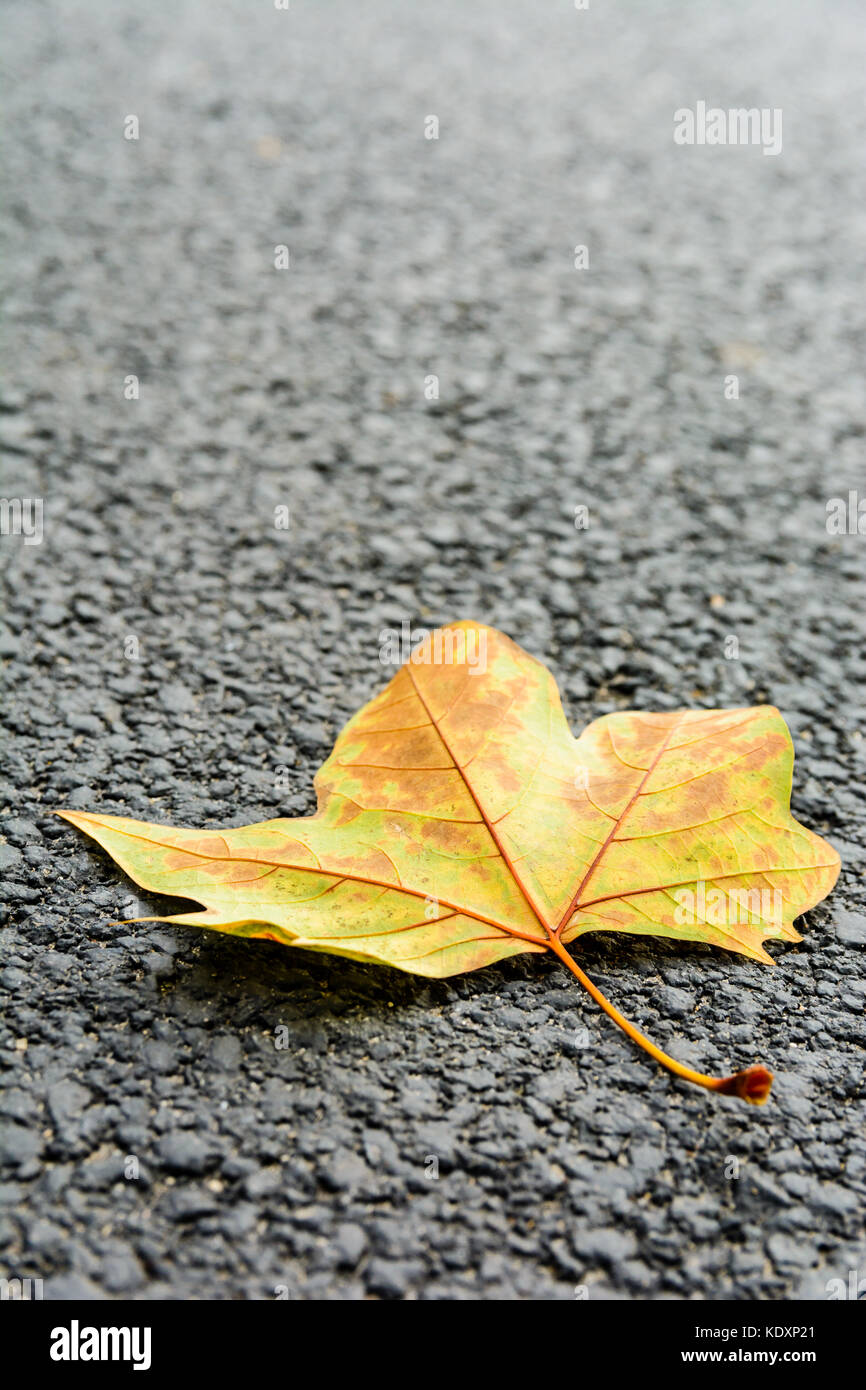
x,y
459,822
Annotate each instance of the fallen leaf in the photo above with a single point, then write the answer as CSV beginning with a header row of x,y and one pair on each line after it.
x,y
459,822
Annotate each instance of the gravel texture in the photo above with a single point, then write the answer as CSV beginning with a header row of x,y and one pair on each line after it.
x,y
568,1163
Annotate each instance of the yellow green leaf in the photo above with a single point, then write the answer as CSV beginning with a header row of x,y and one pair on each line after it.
x,y
459,822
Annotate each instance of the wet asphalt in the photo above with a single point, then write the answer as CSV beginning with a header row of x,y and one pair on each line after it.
x,y
172,651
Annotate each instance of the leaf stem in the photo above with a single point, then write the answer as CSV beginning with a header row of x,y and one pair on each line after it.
x,y
752,1085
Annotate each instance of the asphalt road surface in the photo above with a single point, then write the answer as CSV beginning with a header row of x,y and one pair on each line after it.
x,y
169,645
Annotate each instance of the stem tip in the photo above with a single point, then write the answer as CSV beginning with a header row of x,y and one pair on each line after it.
x,y
752,1085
